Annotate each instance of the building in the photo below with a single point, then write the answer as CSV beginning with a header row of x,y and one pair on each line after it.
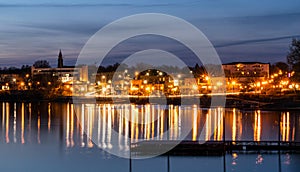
x,y
153,82
65,74
243,71
246,76
13,81
60,61
62,73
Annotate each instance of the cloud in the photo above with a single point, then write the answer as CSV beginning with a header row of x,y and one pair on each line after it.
x,y
253,41
39,32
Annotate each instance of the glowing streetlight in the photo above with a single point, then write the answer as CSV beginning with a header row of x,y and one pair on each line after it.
x,y
148,89
219,83
258,84
233,84
195,87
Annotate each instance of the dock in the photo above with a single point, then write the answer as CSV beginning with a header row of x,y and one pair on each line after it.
x,y
212,148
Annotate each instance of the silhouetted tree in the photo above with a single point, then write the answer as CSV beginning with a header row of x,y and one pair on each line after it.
x,y
293,59
41,64
279,66
296,76
293,56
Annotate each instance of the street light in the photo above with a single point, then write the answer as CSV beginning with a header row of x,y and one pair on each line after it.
x,y
258,84
233,84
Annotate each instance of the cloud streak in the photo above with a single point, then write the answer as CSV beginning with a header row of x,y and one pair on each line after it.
x,y
39,30
254,41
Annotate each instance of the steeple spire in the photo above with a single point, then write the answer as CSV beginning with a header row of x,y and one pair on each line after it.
x,y
60,62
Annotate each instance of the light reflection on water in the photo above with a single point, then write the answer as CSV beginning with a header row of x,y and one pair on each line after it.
x,y
62,133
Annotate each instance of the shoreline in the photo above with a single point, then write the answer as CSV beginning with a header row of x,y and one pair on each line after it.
x,y
242,101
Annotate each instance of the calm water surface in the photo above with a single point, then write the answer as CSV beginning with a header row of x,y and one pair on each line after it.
x,y
64,137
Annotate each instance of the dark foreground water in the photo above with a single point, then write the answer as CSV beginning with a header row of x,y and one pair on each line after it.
x,y
66,137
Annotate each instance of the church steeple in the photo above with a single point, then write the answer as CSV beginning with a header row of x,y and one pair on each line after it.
x,y
60,62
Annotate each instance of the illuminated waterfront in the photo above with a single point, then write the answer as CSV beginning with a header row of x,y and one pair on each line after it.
x,y
54,133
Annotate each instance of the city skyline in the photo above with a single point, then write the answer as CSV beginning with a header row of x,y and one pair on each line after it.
x,y
149,85
248,31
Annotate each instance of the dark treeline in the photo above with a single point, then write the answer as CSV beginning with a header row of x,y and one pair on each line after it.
x,y
14,70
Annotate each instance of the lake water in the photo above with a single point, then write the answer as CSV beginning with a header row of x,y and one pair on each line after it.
x,y
65,137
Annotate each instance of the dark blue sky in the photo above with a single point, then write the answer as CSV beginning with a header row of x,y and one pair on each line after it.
x,y
240,30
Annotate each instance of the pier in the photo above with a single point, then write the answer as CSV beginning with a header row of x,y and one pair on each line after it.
x,y
213,148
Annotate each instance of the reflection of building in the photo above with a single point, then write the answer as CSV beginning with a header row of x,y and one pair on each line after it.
x,y
62,73
245,70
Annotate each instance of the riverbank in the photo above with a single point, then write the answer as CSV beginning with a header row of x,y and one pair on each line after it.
x,y
241,101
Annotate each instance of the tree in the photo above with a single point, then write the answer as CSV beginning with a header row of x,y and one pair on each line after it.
x,y
296,69
41,64
282,66
275,68
293,56
293,59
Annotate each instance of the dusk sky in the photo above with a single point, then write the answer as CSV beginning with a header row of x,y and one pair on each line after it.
x,y
240,30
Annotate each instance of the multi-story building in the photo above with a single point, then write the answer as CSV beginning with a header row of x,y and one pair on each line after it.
x,y
13,81
62,73
245,70
246,76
